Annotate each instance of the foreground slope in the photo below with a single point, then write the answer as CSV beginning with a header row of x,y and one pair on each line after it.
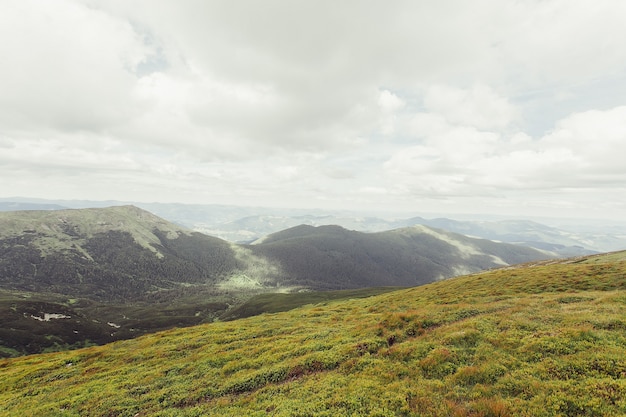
x,y
538,340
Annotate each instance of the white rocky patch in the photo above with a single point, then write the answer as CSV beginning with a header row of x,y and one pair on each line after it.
x,y
50,316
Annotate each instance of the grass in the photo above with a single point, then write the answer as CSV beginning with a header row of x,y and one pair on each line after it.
x,y
538,340
278,302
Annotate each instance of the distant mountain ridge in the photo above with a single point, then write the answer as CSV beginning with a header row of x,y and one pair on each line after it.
x,y
246,224
521,232
17,206
106,273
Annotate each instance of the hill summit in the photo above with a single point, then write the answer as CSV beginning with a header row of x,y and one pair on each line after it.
x,y
110,254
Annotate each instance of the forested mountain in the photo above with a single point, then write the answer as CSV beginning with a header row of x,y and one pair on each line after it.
x,y
123,253
335,258
114,254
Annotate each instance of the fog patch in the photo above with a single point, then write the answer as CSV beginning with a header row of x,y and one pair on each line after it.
x,y
256,272
466,250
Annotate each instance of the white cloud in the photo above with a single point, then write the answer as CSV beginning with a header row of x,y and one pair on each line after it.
x,y
389,105
389,102
564,42
65,66
583,151
599,138
479,107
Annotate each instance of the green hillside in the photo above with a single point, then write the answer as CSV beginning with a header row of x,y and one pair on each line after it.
x,y
277,302
538,340
332,258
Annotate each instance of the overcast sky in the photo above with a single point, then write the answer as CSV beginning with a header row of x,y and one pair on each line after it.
x,y
512,107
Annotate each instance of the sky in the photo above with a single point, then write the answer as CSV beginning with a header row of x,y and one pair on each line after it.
x,y
511,107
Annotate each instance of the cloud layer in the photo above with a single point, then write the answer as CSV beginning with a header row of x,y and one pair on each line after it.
x,y
504,106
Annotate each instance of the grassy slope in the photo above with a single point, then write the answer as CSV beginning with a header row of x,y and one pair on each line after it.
x,y
275,303
89,323
545,340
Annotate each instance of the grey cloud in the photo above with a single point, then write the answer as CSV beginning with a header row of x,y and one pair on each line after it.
x,y
64,67
275,99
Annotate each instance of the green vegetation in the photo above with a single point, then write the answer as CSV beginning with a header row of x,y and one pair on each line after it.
x,y
112,274
539,340
86,322
275,303
68,229
113,255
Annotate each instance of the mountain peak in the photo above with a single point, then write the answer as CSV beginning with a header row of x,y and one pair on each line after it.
x,y
70,228
301,231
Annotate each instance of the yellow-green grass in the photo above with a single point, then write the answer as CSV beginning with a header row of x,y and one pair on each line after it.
x,y
543,340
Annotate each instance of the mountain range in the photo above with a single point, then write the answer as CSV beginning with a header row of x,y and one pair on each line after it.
x,y
563,237
121,271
